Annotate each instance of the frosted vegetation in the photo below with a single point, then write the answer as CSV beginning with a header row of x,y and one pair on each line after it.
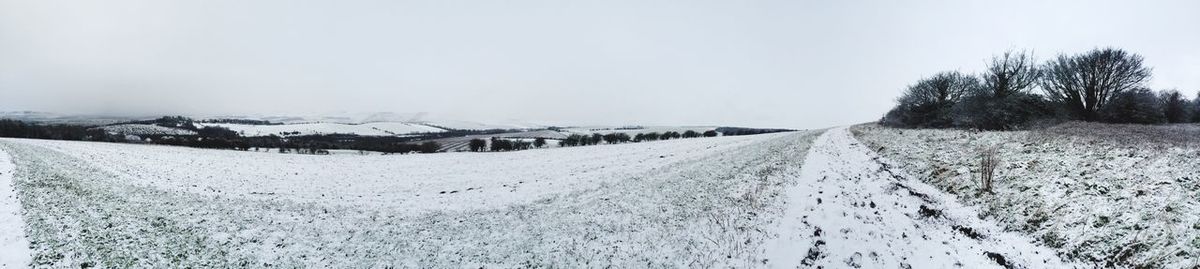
x,y
1104,195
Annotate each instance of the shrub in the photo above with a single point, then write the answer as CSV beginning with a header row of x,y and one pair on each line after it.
x,y
477,145
928,103
1176,109
1133,106
987,168
984,111
430,147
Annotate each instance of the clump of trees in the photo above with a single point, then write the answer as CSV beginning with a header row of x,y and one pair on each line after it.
x,y
1105,85
499,144
477,145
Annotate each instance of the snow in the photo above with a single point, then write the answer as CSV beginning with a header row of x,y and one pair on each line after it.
x,y
146,129
413,182
14,247
365,129
1106,195
679,203
847,210
793,199
468,125
639,129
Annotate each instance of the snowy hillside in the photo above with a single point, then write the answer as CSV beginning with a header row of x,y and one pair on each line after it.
x,y
145,129
1110,196
633,130
366,129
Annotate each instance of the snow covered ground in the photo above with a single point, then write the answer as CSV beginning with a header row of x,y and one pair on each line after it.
x,y
365,129
848,210
1103,195
739,201
678,203
145,129
639,129
14,247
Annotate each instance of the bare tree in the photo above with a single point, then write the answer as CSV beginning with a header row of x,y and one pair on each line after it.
x,y
1084,83
1010,73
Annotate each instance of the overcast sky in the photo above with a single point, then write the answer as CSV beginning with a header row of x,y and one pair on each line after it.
x,y
798,64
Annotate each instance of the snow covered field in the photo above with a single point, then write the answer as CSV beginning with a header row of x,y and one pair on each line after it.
x,y
145,129
365,129
1103,195
631,132
679,203
737,201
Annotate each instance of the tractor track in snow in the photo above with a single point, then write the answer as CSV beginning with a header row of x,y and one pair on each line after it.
x,y
850,210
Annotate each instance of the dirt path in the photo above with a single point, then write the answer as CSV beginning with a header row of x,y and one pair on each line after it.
x,y
847,210
14,247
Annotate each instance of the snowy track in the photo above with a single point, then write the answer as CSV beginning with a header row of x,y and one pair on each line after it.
x,y
849,211
14,247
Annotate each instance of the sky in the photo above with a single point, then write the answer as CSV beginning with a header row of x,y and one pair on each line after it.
x,y
791,64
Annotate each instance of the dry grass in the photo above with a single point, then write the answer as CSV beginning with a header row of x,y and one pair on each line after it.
x,y
1158,136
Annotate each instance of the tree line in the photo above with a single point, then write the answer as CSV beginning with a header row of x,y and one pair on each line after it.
x,y
1014,92
574,140
213,137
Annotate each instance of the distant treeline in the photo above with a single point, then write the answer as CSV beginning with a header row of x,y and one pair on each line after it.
x,y
1101,85
215,137
19,129
220,138
240,121
499,144
730,131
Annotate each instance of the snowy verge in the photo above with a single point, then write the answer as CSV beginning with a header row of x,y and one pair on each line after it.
x,y
848,210
1108,195
14,247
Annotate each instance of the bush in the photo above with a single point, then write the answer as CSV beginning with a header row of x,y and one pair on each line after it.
x,y
1133,106
984,111
477,145
1176,109
430,147
928,103
710,133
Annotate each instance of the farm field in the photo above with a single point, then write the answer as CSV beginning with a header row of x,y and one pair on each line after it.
x,y
146,129
365,129
120,205
795,199
1105,196
631,131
